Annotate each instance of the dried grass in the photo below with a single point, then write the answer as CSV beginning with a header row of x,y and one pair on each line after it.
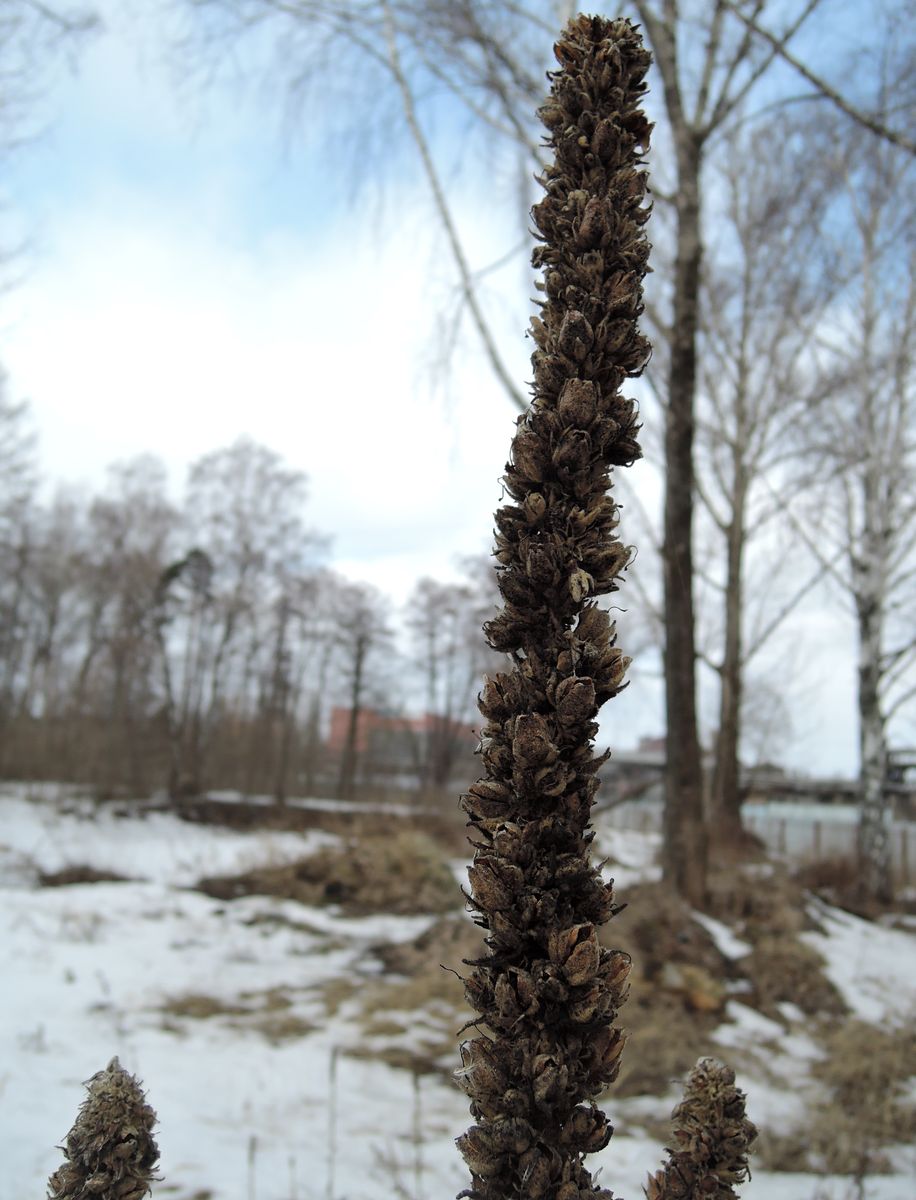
x,y
411,1014
758,905
79,874
283,1027
676,989
664,1041
403,872
334,993
866,1105
197,1006
443,824
838,881
264,1012
783,969
658,927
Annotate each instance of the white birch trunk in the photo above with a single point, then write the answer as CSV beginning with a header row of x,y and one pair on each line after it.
x,y
874,812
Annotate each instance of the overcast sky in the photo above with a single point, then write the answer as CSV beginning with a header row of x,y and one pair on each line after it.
x,y
193,275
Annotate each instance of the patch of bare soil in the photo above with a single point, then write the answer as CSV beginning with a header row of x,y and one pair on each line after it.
x,y
79,874
403,873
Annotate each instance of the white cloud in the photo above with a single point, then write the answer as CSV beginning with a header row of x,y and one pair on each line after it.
x,y
146,332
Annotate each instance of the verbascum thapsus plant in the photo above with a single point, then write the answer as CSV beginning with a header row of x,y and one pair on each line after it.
x,y
546,992
110,1152
712,1136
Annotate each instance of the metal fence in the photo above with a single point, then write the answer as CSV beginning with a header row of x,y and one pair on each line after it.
x,y
803,833
808,834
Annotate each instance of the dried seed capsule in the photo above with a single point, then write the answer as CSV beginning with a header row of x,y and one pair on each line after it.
x,y
580,584
573,452
575,700
492,701
581,965
587,1130
594,224
575,336
504,632
531,744
577,402
528,456
488,886
481,1061
535,506
594,624
536,1176
480,1153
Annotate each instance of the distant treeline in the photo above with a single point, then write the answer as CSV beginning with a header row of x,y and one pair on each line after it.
x,y
146,645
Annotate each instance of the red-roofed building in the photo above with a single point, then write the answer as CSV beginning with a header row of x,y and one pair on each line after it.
x,y
394,743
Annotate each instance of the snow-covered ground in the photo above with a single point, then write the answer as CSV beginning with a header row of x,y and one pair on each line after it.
x,y
221,1009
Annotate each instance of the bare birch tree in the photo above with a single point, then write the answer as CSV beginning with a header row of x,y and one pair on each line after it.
x,y
17,483
244,536
131,527
362,628
862,444
444,621
765,289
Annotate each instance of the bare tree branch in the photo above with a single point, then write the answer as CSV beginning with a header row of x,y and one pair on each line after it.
x,y
763,636
780,48
445,215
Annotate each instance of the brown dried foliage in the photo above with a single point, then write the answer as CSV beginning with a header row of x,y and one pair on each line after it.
x,y
110,1151
712,1139
402,872
712,1136
546,990
867,1111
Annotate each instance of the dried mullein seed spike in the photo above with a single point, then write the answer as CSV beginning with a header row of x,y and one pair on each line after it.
x,y
713,1137
110,1151
545,989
